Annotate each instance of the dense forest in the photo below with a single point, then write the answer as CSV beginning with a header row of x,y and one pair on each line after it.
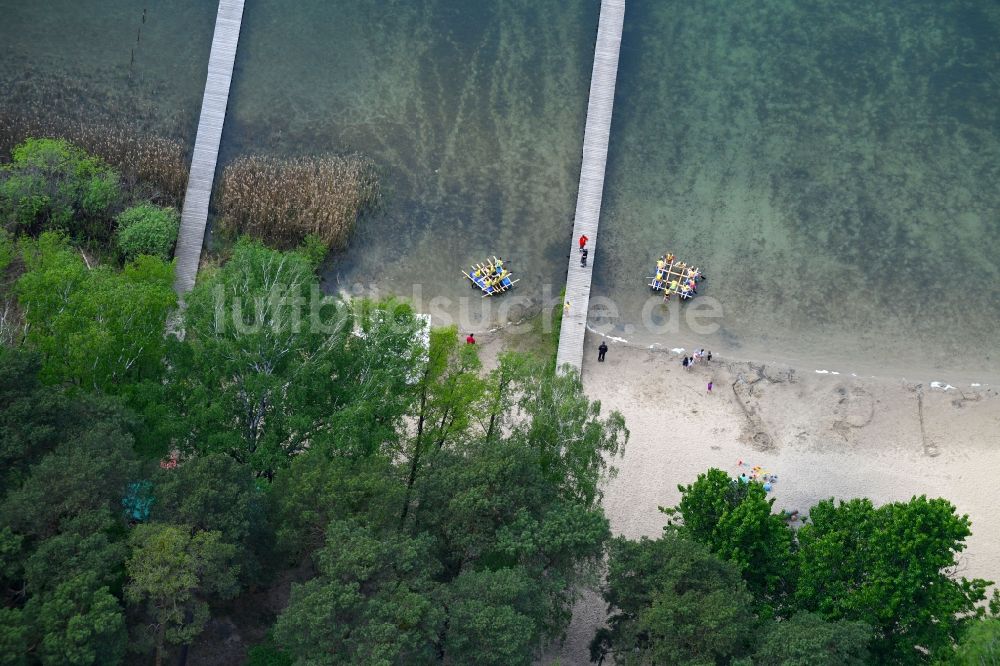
x,y
341,485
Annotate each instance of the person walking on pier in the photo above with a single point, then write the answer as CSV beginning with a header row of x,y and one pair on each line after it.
x,y
601,351
583,241
583,258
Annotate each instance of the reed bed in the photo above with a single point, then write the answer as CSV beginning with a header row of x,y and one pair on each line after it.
x,y
281,201
144,161
108,112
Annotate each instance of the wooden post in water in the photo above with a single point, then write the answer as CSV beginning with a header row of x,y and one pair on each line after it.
x,y
194,215
588,200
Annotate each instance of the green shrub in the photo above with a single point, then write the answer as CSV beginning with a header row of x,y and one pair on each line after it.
x,y
100,193
980,644
53,185
314,248
147,229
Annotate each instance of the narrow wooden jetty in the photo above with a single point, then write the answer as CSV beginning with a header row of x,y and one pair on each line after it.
x,y
206,146
588,200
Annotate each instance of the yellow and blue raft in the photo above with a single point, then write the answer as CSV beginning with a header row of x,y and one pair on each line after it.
x,y
492,277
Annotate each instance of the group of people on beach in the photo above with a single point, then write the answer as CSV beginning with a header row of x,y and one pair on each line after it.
x,y
697,356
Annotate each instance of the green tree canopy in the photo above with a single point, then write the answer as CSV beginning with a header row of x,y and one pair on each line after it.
x,y
35,418
889,567
209,493
504,550
373,602
13,637
673,602
495,617
51,184
216,493
77,623
806,639
318,488
147,229
447,390
61,527
563,428
258,378
979,645
79,476
735,520
88,544
171,572
7,250
505,520
96,328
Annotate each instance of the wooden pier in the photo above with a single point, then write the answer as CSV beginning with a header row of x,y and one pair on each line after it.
x,y
206,146
588,200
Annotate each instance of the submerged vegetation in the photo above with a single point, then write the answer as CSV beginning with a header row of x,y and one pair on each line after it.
x,y
331,482
157,165
282,201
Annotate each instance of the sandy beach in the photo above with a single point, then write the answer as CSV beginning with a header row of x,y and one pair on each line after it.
x,y
824,435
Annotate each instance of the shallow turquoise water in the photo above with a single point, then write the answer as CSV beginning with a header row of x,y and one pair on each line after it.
x,y
831,165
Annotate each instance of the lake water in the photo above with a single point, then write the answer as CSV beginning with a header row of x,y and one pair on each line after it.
x,y
474,112
138,61
832,166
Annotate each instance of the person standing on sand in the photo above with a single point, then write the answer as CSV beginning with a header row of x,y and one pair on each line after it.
x,y
470,339
710,387
686,362
601,351
583,241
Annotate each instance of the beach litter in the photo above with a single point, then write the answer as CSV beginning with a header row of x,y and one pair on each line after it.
x,y
942,386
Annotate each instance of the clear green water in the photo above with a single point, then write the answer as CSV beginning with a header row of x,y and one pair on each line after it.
x,y
474,112
832,165
99,60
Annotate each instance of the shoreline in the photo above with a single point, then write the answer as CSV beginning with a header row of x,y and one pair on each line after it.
x,y
824,435
830,364
833,365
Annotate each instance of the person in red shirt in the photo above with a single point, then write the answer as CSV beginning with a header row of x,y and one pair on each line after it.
x,y
470,339
583,241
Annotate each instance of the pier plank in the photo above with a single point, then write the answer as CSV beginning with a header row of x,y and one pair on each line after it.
x,y
194,214
591,191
